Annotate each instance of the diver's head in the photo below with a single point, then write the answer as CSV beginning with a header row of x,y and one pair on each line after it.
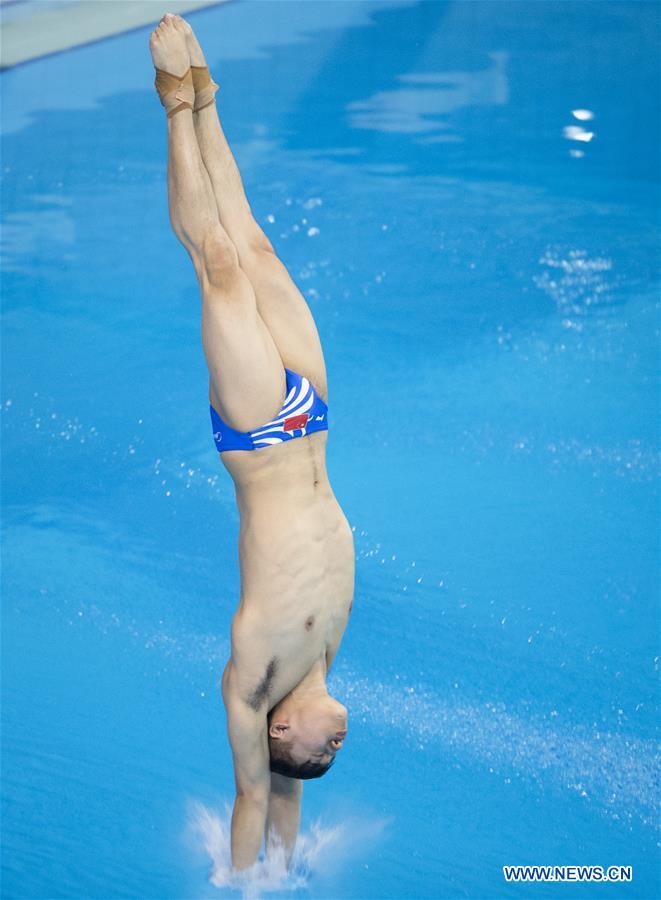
x,y
305,733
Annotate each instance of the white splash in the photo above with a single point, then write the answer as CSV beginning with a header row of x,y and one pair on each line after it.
x,y
576,281
319,852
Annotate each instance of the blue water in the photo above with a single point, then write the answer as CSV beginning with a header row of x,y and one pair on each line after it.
x,y
485,279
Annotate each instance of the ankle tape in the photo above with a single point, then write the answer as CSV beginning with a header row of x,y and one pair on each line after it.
x,y
176,92
205,87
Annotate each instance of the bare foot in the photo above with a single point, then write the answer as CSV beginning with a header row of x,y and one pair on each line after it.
x,y
168,46
194,50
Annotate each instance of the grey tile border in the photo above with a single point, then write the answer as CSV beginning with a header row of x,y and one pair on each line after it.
x,y
30,30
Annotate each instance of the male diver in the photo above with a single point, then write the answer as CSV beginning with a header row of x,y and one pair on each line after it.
x,y
267,390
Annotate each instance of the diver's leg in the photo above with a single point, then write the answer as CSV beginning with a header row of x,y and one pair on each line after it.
x,y
247,383
280,303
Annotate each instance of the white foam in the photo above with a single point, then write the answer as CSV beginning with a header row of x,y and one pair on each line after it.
x,y
320,851
616,771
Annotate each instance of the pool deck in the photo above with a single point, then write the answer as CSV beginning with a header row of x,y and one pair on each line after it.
x,y
30,29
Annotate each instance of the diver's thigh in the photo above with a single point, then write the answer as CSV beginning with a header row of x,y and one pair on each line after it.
x,y
247,379
285,313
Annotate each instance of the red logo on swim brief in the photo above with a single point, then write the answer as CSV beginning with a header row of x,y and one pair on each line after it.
x,y
294,422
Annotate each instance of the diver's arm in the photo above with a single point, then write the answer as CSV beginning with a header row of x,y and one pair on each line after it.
x,y
331,652
248,818
335,639
247,733
284,813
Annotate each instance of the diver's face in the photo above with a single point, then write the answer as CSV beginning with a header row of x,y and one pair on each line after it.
x,y
317,730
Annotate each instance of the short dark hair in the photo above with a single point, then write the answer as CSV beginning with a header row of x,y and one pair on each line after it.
x,y
283,763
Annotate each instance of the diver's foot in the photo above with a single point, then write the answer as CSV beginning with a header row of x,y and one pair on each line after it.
x,y
168,46
195,53
205,86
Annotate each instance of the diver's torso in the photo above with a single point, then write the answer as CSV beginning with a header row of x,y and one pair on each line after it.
x,y
296,558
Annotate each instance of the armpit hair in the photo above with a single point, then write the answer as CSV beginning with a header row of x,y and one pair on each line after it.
x,y
261,692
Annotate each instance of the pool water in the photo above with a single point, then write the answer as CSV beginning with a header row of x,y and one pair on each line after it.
x,y
467,193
